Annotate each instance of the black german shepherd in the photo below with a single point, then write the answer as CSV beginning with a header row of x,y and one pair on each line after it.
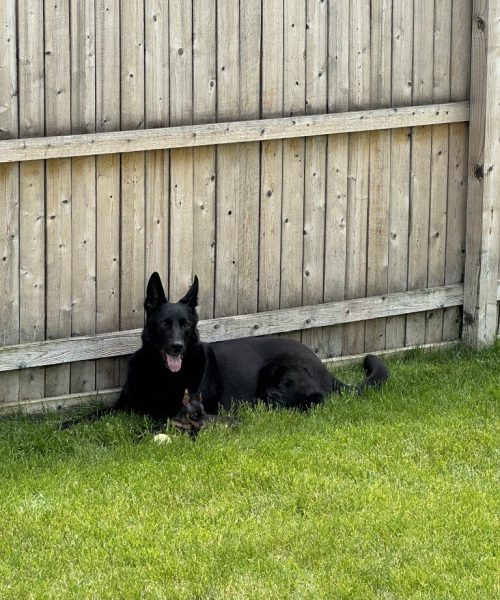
x,y
274,370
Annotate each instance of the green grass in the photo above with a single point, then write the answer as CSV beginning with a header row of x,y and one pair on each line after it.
x,y
391,495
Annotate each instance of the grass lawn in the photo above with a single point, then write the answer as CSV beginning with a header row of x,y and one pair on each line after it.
x,y
391,495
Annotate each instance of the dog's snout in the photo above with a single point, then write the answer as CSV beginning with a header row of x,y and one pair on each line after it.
x,y
177,347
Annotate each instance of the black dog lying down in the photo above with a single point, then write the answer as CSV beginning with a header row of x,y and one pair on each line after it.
x,y
277,371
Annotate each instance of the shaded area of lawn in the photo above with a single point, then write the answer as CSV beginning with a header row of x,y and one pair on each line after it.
x,y
391,495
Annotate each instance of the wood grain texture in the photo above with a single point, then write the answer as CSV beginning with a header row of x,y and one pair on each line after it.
x,y
204,169
227,262
420,164
107,184
358,169
458,157
380,169
293,157
9,196
232,132
83,187
315,174
181,161
337,166
121,343
483,200
402,82
274,36
31,191
157,103
249,157
439,164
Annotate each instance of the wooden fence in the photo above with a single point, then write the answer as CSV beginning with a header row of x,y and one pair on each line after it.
x,y
326,167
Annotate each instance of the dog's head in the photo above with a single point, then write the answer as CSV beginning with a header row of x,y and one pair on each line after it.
x,y
192,415
170,326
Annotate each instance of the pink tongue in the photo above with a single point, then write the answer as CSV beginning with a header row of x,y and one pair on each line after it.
x,y
174,363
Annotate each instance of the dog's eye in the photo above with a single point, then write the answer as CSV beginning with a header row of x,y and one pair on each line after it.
x,y
186,325
166,323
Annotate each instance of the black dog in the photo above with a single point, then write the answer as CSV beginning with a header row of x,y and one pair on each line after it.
x,y
277,371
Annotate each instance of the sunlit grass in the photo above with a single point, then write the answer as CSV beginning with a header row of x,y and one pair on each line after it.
x,y
389,495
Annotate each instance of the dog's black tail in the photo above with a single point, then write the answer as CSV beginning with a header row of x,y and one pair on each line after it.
x,y
376,374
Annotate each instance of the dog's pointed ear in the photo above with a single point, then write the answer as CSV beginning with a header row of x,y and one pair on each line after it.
x,y
155,294
191,298
186,398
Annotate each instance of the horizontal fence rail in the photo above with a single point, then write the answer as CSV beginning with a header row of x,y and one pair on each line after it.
x,y
122,343
64,146
107,397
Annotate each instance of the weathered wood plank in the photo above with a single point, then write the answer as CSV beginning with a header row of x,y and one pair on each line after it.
x,y
420,165
439,165
458,156
157,102
181,160
271,174
228,168
58,188
9,196
483,200
293,163
337,164
232,132
380,169
315,167
83,187
132,213
249,157
358,169
204,170
107,183
121,343
31,190
402,82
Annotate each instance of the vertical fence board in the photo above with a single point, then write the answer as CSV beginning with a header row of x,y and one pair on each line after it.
x,y
181,160
358,169
271,183
156,115
107,184
83,186
439,165
132,217
228,167
31,192
483,199
58,188
293,155
315,167
249,158
380,170
420,165
204,111
9,197
337,162
402,82
457,165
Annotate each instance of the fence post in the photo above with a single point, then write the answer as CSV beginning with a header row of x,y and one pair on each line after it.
x,y
483,194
